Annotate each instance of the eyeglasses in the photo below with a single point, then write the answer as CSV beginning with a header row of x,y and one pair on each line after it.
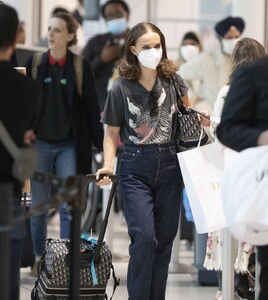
x,y
153,103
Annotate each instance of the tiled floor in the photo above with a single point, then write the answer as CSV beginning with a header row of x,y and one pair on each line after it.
x,y
180,285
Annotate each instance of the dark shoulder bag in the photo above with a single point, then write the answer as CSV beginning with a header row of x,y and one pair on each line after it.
x,y
188,132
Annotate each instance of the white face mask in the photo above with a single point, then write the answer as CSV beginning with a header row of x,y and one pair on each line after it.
x,y
188,52
117,26
228,45
150,58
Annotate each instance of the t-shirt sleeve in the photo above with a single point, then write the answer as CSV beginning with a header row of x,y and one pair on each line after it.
x,y
182,85
113,110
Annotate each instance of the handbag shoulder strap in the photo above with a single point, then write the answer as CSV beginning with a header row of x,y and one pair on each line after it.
x,y
178,93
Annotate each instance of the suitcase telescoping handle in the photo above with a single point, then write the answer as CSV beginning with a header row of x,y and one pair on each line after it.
x,y
104,223
92,177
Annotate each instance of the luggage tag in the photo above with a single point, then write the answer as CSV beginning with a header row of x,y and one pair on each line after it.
x,y
94,241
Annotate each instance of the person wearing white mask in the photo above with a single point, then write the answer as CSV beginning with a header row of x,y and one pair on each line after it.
x,y
212,66
229,31
103,50
140,107
189,48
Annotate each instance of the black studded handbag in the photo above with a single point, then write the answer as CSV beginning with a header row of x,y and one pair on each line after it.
x,y
187,129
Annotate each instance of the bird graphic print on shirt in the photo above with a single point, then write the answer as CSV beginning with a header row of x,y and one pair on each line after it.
x,y
149,128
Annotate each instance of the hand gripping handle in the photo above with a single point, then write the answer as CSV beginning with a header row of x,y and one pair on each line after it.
x,y
92,177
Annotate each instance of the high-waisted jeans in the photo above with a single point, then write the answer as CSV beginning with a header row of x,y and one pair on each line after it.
x,y
151,187
62,158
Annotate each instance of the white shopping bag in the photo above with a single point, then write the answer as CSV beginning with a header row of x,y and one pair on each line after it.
x,y
245,189
202,170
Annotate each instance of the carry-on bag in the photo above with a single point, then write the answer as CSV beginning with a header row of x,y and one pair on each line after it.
x,y
95,266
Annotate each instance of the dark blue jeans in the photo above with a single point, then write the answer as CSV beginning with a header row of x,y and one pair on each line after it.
x,y
150,186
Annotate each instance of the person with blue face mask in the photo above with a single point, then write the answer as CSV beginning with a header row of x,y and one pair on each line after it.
x,y
103,50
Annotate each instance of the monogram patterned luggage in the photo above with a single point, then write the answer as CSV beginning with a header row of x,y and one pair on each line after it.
x,y
53,282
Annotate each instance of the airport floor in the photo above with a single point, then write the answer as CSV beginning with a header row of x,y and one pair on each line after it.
x,y
182,281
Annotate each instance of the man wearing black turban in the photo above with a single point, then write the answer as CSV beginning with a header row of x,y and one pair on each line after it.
x,y
229,31
212,67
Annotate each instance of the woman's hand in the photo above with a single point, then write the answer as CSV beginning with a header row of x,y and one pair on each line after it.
x,y
29,137
204,121
204,117
105,180
263,138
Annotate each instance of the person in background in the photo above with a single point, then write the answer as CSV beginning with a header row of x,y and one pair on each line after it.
x,y
212,67
21,35
246,50
103,50
20,39
189,48
79,15
43,42
68,123
79,12
244,124
140,107
18,108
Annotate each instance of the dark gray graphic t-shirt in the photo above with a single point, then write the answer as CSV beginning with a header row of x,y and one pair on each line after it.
x,y
144,117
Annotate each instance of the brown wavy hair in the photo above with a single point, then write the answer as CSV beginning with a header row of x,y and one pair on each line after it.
x,y
246,50
129,67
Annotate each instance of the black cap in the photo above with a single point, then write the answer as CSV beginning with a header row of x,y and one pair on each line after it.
x,y
224,25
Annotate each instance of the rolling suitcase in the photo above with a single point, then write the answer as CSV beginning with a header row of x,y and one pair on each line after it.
x,y
95,266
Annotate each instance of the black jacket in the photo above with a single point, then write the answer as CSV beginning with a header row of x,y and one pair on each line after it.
x,y
102,71
245,112
19,97
85,112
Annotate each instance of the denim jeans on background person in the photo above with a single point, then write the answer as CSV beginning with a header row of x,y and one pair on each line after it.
x,y
60,157
150,185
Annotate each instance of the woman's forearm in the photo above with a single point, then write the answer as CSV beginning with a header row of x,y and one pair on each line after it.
x,y
110,146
